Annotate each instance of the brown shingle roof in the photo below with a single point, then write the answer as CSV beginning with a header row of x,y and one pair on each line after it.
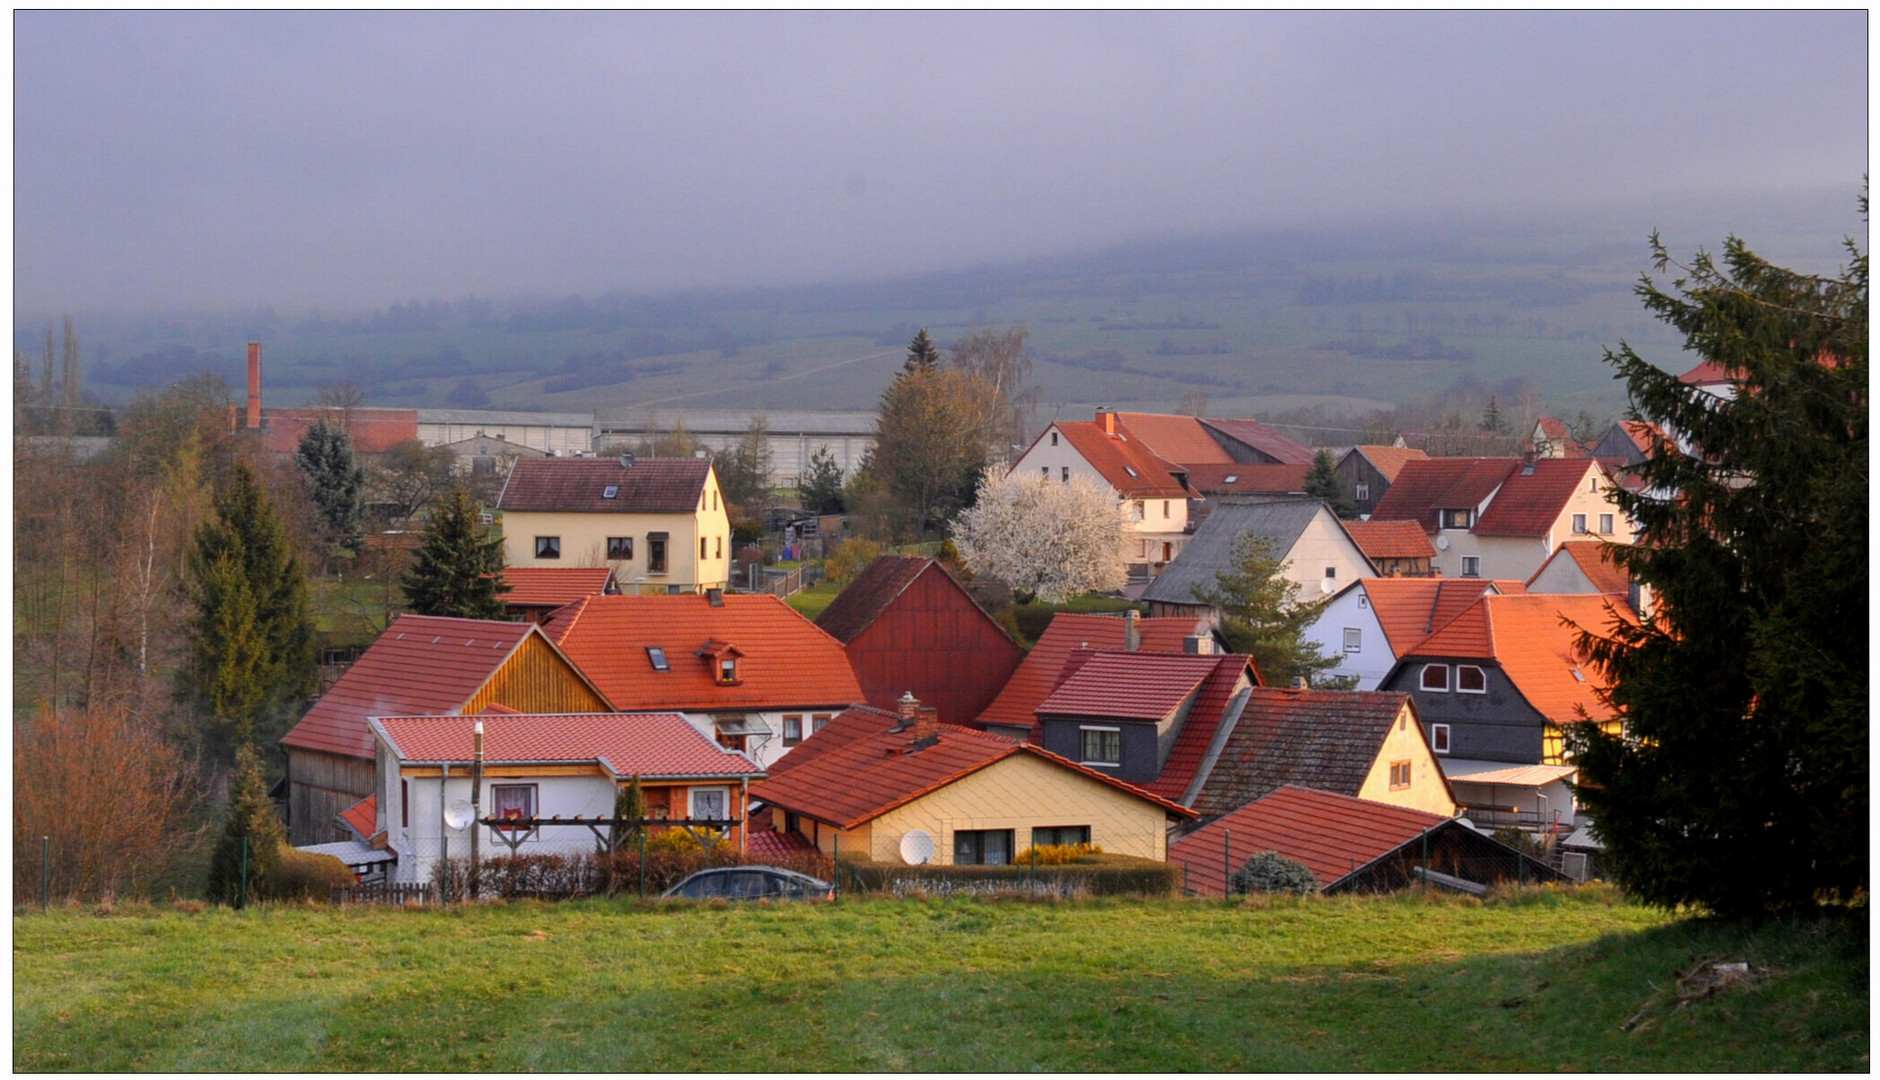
x,y
1326,739
863,599
579,485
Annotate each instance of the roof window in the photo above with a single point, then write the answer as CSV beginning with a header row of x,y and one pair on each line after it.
x,y
658,657
1129,470
610,491
1232,478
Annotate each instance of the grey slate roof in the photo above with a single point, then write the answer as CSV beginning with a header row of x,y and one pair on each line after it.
x,y
1325,739
1212,549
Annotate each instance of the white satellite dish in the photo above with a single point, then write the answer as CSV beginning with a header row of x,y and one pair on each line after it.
x,y
457,814
1442,543
916,848
1326,585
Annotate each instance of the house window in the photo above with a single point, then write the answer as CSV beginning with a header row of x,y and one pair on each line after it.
x,y
404,804
1331,573
1361,492
1439,738
709,802
1592,483
718,549
1605,524
982,847
1579,524
1061,834
1102,745
620,547
1054,436
1435,677
1470,680
714,500
727,670
817,721
548,547
702,542
1135,510
1164,507
1354,639
656,553
1399,775
1455,519
1471,566
610,491
1045,470
1065,474
792,730
512,801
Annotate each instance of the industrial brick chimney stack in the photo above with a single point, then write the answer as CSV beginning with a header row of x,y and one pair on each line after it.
x,y
254,384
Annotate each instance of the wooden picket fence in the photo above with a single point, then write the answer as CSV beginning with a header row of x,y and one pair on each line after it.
x,y
394,893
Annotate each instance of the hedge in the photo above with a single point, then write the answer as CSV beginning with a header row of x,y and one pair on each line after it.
x,y
1094,875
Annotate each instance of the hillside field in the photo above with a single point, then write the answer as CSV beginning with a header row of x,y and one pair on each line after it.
x,y
1549,980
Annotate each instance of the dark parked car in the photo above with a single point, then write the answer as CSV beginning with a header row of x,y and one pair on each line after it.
x,y
751,883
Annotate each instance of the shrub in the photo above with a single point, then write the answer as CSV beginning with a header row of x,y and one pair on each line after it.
x,y
251,817
1055,854
301,875
1094,875
1271,872
678,841
847,559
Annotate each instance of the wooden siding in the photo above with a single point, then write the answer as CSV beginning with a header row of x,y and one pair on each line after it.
x,y
321,786
536,680
935,642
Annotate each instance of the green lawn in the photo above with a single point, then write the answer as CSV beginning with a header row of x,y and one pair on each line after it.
x,y
1341,984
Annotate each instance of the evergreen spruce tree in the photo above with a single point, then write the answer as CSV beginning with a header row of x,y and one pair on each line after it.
x,y
251,625
458,567
922,355
1741,781
339,482
1262,615
251,817
821,486
1324,483
629,803
1492,419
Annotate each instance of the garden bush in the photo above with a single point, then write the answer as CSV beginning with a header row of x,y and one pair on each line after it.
x,y
1055,854
1271,872
301,875
1093,875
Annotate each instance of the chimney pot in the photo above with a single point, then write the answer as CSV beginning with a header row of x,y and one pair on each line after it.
x,y
1108,420
1527,463
254,384
1299,682
1132,630
626,461
908,707
926,725
1199,644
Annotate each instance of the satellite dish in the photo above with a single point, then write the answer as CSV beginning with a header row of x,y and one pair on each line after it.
x,y
916,848
1326,585
457,814
1442,543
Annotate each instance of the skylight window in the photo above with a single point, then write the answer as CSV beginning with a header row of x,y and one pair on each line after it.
x,y
658,656
1129,470
1232,478
610,491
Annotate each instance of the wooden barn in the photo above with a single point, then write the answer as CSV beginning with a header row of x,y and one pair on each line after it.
x,y
909,627
423,666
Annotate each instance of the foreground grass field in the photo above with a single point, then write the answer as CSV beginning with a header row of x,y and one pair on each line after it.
x,y
1541,983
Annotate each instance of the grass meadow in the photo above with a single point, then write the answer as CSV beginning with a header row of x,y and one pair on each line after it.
x,y
1548,980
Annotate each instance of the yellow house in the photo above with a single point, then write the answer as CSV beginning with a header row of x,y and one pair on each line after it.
x,y
659,524
908,789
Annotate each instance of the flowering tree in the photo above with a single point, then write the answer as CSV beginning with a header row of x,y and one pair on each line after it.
x,y
1045,539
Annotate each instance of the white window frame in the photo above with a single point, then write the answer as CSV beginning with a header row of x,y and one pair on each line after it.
x,y
1423,679
1354,639
691,799
1361,492
1461,689
1605,524
1439,738
535,810
1083,730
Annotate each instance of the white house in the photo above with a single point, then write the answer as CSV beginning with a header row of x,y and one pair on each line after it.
x,y
1370,623
1319,554
534,767
1154,500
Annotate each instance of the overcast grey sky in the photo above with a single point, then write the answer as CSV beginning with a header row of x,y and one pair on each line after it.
x,y
358,158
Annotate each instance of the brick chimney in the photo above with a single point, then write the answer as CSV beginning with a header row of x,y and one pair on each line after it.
x,y
254,384
1132,631
909,708
1108,420
926,725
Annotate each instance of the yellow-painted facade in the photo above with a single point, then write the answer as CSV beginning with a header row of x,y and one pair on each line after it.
x,y
1425,789
583,541
1020,793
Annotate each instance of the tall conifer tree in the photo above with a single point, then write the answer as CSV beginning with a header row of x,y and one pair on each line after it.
x,y
1324,483
459,565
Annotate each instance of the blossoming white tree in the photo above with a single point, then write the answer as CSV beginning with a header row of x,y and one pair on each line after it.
x,y
1045,539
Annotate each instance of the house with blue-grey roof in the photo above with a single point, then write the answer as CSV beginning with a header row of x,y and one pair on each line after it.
x,y
1318,552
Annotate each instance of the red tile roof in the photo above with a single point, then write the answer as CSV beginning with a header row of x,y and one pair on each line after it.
x,y
1333,835
1181,439
864,598
769,845
1424,487
1642,433
1552,427
1128,686
648,745
373,431
579,485
1043,667
1264,439
362,817
864,770
786,660
1324,739
1411,609
1708,373
1591,557
1389,460
1248,479
1525,636
1190,751
1390,540
1529,503
553,586
1125,464
420,664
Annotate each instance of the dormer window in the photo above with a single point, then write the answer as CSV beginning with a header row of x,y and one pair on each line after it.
x,y
727,670
723,660
1456,519
610,491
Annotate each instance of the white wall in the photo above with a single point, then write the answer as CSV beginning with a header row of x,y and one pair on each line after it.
x,y
419,847
1324,545
1352,609
772,748
1162,521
